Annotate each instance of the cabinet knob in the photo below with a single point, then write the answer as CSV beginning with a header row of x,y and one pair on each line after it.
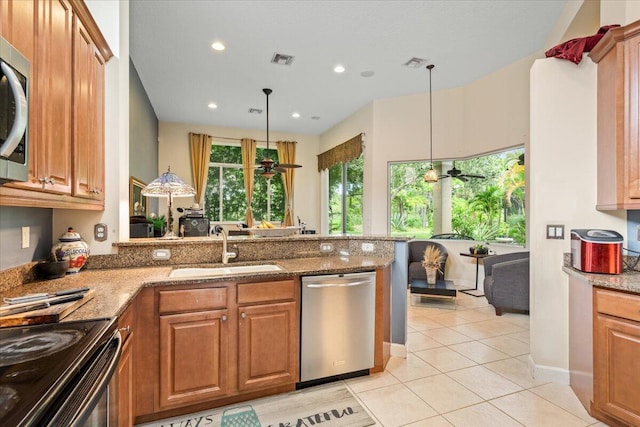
x,y
224,317
243,315
47,180
96,191
126,329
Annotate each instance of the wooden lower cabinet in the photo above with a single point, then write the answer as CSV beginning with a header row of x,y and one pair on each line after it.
x,y
208,345
121,387
617,357
268,345
193,357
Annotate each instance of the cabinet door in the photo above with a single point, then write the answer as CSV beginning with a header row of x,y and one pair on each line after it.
x,y
50,128
193,357
124,387
617,368
632,149
88,116
268,349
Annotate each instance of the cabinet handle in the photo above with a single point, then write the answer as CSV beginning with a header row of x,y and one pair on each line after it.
x,y
243,315
224,317
126,329
95,191
47,180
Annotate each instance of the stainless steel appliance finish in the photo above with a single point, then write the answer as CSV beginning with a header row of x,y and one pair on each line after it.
x,y
338,324
14,113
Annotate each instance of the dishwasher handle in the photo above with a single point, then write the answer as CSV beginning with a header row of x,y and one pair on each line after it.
x,y
338,285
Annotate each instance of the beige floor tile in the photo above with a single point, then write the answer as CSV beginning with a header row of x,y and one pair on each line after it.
x,y
563,396
516,371
417,341
410,368
521,320
471,302
450,319
442,393
534,411
421,323
522,336
447,336
507,344
478,352
370,382
480,415
477,315
484,383
476,330
445,359
396,405
524,358
437,421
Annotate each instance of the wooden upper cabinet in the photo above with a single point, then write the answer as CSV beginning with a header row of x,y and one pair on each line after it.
x,y
88,116
618,58
66,103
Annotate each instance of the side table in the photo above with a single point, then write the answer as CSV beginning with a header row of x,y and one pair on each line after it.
x,y
478,257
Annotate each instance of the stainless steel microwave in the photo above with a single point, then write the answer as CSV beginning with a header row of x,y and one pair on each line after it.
x,y
14,114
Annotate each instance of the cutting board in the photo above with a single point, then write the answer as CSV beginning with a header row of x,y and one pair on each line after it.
x,y
53,314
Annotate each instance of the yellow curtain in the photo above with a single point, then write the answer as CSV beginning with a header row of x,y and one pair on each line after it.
x,y
287,154
200,147
248,166
348,150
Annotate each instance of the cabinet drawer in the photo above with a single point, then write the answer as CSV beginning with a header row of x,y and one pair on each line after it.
x,y
192,300
618,304
281,290
126,322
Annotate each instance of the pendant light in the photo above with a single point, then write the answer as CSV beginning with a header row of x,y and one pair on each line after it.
x,y
431,175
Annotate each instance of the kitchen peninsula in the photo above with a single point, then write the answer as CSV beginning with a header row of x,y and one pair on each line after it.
x,y
219,318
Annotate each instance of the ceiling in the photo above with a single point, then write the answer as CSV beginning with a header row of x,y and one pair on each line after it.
x,y
170,46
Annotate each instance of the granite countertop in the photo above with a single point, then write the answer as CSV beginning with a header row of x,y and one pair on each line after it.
x,y
628,281
115,288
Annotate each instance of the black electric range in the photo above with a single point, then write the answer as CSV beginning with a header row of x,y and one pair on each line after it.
x,y
43,368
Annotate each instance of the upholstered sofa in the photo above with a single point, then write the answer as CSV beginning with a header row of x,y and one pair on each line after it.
x,y
506,281
416,255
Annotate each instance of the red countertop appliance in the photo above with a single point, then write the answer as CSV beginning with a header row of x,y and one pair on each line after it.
x,y
596,251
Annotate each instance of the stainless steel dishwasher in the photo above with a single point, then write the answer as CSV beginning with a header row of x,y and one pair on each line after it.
x,y
338,324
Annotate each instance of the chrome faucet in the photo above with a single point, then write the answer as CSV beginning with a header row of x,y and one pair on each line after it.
x,y
226,256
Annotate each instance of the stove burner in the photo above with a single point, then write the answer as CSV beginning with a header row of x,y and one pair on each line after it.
x,y
36,345
8,399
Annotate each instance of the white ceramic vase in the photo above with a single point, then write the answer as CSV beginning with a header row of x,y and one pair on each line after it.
x,y
71,248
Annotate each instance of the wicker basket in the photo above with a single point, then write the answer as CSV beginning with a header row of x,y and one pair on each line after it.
x,y
242,416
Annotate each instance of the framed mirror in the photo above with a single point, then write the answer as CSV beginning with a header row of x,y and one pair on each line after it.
x,y
137,202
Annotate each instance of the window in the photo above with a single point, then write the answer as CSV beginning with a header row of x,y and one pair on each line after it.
x,y
225,195
345,197
484,209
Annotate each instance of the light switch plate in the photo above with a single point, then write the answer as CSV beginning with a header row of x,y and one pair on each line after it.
x,y
555,231
25,237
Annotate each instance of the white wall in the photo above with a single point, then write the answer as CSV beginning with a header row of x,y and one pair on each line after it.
x,y
561,162
173,150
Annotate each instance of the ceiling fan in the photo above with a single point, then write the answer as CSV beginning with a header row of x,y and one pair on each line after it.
x,y
268,165
457,173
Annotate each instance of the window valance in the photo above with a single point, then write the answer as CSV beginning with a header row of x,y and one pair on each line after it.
x,y
349,150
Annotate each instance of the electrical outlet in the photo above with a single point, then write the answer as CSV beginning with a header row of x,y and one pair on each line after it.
x,y
638,235
326,247
25,237
161,254
100,232
368,247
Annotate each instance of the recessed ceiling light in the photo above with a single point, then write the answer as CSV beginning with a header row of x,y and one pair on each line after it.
x,y
315,117
217,46
295,115
212,105
338,69
367,73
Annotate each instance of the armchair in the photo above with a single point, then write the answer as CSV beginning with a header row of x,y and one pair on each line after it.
x,y
416,255
506,281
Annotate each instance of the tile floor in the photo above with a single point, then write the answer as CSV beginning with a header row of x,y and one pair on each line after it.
x,y
466,367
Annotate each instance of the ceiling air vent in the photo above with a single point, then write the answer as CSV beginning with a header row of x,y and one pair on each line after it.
x,y
255,111
281,59
414,62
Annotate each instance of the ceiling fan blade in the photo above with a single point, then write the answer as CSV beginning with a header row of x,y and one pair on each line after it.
x,y
279,169
461,178
466,175
288,165
444,176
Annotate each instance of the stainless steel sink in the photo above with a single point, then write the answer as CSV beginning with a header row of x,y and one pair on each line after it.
x,y
222,271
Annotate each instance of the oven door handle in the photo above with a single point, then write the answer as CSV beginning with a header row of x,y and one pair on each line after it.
x,y
20,123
